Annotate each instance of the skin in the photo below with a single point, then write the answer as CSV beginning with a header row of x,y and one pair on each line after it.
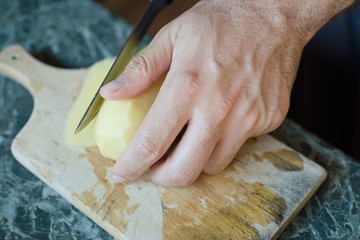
x,y
231,66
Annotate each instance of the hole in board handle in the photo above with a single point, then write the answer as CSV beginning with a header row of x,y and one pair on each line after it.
x,y
14,56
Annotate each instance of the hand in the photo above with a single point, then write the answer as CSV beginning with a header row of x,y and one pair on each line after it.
x,y
231,69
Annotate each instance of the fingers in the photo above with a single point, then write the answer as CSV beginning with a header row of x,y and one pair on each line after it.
x,y
239,127
223,154
160,127
144,69
150,143
185,164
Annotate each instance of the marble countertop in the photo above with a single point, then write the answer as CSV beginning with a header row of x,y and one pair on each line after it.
x,y
75,34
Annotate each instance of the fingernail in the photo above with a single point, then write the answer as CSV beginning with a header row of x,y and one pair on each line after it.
x,y
115,85
119,179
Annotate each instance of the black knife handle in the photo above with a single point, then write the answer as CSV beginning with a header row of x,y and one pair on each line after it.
x,y
151,11
162,3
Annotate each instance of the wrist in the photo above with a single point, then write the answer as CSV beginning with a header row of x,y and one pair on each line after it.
x,y
308,16
297,19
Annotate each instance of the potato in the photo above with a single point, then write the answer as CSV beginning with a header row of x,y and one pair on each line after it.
x,y
92,82
117,121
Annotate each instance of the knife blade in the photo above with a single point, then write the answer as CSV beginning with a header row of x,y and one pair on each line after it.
x,y
124,57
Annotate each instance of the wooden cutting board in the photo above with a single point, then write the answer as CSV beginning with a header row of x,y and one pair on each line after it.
x,y
255,198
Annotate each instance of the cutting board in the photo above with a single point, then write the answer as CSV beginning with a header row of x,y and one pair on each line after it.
x,y
254,198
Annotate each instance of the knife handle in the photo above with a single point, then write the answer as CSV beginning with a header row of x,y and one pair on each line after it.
x,y
151,11
162,3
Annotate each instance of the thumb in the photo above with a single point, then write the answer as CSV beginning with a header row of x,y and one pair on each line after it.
x,y
143,70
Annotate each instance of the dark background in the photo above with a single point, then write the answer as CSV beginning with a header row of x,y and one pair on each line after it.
x,y
326,94
325,98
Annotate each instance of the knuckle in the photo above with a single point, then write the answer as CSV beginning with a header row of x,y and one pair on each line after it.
x,y
207,131
213,170
276,120
182,177
218,165
128,173
261,119
252,120
225,107
277,114
228,103
147,146
190,85
138,65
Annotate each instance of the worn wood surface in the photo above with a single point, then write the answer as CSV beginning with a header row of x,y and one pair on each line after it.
x,y
255,198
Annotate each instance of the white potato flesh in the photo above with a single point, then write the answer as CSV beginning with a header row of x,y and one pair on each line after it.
x,y
92,82
117,121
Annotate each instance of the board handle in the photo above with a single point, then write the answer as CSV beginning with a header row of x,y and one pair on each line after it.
x,y
33,74
17,64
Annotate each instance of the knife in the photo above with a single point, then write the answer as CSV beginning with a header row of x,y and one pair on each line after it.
x,y
123,58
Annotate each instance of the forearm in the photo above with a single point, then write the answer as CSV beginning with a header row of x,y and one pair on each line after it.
x,y
308,16
300,17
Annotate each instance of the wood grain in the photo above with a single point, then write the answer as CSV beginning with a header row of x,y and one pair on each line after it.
x,y
255,198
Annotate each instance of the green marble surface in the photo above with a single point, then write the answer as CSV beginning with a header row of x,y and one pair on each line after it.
x,y
76,33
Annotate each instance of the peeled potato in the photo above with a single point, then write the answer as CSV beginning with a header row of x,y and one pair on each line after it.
x,y
92,82
117,121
